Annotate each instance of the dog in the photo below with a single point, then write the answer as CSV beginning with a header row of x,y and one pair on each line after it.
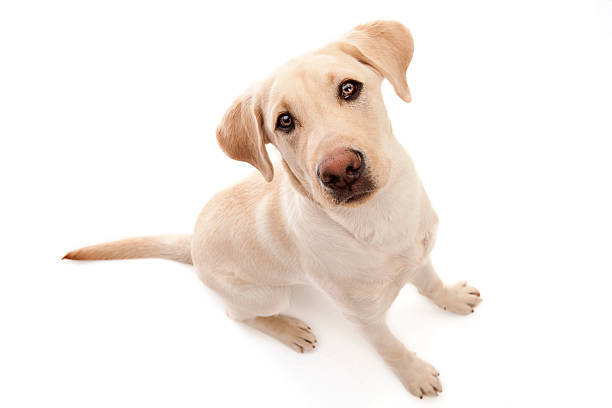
x,y
344,210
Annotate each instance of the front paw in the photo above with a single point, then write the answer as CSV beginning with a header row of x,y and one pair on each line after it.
x,y
459,298
420,378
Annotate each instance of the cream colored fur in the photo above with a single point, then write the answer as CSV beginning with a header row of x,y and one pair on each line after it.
x,y
254,241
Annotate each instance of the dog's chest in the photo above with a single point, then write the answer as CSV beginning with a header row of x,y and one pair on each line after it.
x,y
380,240
341,255
371,248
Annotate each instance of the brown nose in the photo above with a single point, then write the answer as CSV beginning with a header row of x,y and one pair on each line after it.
x,y
341,168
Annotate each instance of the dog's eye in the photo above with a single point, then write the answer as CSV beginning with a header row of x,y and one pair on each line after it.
x,y
285,122
349,89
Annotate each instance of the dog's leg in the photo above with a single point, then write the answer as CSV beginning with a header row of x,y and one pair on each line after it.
x,y
459,297
419,377
260,307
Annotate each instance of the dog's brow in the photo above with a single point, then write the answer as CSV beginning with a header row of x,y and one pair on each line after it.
x,y
282,106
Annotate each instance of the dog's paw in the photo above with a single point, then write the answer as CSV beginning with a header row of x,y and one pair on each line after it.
x,y
420,378
298,335
459,298
288,330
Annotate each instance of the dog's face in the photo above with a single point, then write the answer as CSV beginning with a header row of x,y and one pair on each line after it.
x,y
325,114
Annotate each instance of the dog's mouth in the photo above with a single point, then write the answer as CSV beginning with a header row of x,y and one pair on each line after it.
x,y
357,197
356,194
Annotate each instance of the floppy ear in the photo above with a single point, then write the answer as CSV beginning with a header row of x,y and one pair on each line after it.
x,y
240,134
387,46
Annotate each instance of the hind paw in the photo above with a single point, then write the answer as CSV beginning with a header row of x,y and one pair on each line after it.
x,y
288,330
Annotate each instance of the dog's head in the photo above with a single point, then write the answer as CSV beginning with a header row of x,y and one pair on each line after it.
x,y
325,114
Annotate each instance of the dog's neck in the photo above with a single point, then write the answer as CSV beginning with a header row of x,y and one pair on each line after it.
x,y
388,220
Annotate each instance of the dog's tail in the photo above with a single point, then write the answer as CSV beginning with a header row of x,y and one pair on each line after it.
x,y
173,247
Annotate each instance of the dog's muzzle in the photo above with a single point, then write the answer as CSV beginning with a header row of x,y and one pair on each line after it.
x,y
343,174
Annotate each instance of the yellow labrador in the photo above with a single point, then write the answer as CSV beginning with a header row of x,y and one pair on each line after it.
x,y
344,211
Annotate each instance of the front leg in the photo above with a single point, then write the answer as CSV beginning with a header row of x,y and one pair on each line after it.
x,y
418,376
459,297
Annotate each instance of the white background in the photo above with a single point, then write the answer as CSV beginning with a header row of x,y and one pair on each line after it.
x,y
107,119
